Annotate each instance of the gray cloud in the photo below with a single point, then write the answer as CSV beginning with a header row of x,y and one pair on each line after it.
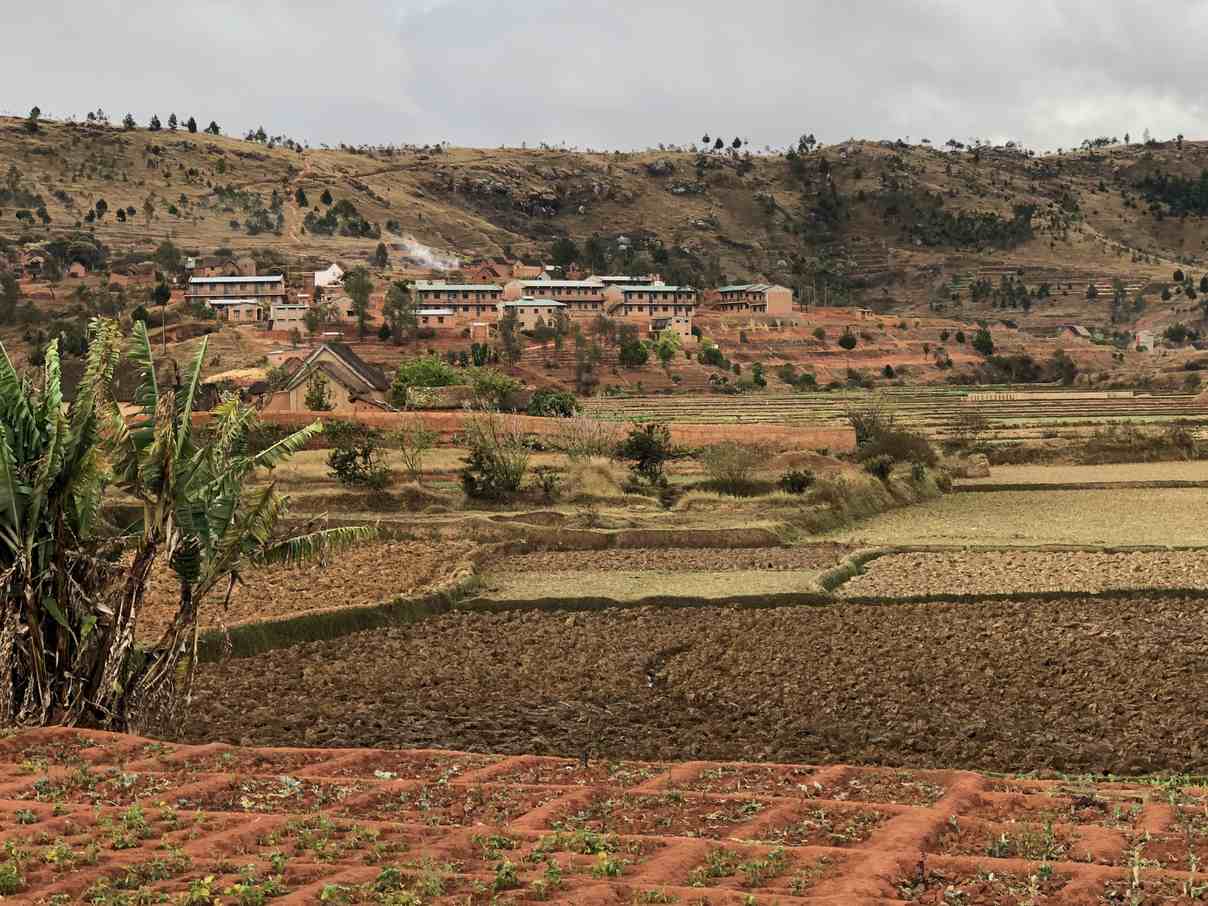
x,y
624,73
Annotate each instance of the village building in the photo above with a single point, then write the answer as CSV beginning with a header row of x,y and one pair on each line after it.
x,y
654,308
754,298
221,266
492,270
237,296
77,270
331,276
582,299
528,271
285,315
243,311
623,280
352,383
466,302
530,311
1074,330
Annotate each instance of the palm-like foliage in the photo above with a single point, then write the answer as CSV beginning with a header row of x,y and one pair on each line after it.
x,y
72,590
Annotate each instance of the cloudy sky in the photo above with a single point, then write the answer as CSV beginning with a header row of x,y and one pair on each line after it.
x,y
619,73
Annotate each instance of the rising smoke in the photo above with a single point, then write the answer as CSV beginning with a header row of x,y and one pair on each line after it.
x,y
425,256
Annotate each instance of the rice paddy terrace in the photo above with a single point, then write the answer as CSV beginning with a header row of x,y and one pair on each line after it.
x,y
1011,414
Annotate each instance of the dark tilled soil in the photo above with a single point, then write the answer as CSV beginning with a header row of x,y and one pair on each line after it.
x,y
1081,685
809,556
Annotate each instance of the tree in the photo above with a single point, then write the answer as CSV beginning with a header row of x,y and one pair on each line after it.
x,y
983,343
154,125
318,393
736,144
102,207
213,129
381,257
168,257
1092,292
300,198
358,285
1179,277
149,209
161,296
509,335
191,125
667,345
31,121
10,297
564,251
74,590
172,121
847,340
399,310
718,144
633,354
326,197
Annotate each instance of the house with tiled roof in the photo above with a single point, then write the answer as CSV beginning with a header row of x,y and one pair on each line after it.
x,y
353,384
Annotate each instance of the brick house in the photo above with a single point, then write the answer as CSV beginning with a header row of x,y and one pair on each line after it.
x,y
354,384
582,299
654,308
755,298
459,304
238,295
529,311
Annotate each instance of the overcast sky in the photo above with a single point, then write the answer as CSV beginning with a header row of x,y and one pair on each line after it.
x,y
619,73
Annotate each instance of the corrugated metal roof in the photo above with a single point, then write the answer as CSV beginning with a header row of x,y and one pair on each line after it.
x,y
459,287
584,284
655,288
265,279
745,288
435,312
536,303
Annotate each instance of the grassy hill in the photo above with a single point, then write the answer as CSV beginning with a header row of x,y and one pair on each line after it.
x,y
908,231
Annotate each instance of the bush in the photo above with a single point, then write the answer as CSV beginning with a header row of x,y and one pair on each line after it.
x,y
869,419
918,472
847,340
879,466
354,460
549,482
634,354
903,446
414,440
647,447
550,402
492,387
426,371
731,465
796,481
498,457
581,438
819,333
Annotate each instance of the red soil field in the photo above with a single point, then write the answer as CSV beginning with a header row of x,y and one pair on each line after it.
x,y
109,819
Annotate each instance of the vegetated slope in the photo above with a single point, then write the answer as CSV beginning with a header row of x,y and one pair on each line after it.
x,y
875,221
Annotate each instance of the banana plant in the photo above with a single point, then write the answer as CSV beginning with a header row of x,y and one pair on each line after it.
x,y
73,586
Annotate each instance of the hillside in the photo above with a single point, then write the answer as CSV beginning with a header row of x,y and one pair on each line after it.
x,y
909,231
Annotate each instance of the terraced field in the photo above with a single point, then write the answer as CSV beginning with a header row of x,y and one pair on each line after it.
x,y
1012,415
1025,571
107,819
1120,516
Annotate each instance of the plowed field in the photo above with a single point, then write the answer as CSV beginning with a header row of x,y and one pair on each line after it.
x,y
1083,685
107,819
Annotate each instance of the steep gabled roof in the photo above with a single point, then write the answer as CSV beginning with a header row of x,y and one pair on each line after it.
x,y
371,376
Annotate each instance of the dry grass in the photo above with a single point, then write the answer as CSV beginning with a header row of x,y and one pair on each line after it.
x,y
1120,516
1195,470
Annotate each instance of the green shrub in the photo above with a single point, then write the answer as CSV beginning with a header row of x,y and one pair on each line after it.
x,y
498,457
918,472
414,440
879,466
551,402
796,481
355,460
647,447
426,371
